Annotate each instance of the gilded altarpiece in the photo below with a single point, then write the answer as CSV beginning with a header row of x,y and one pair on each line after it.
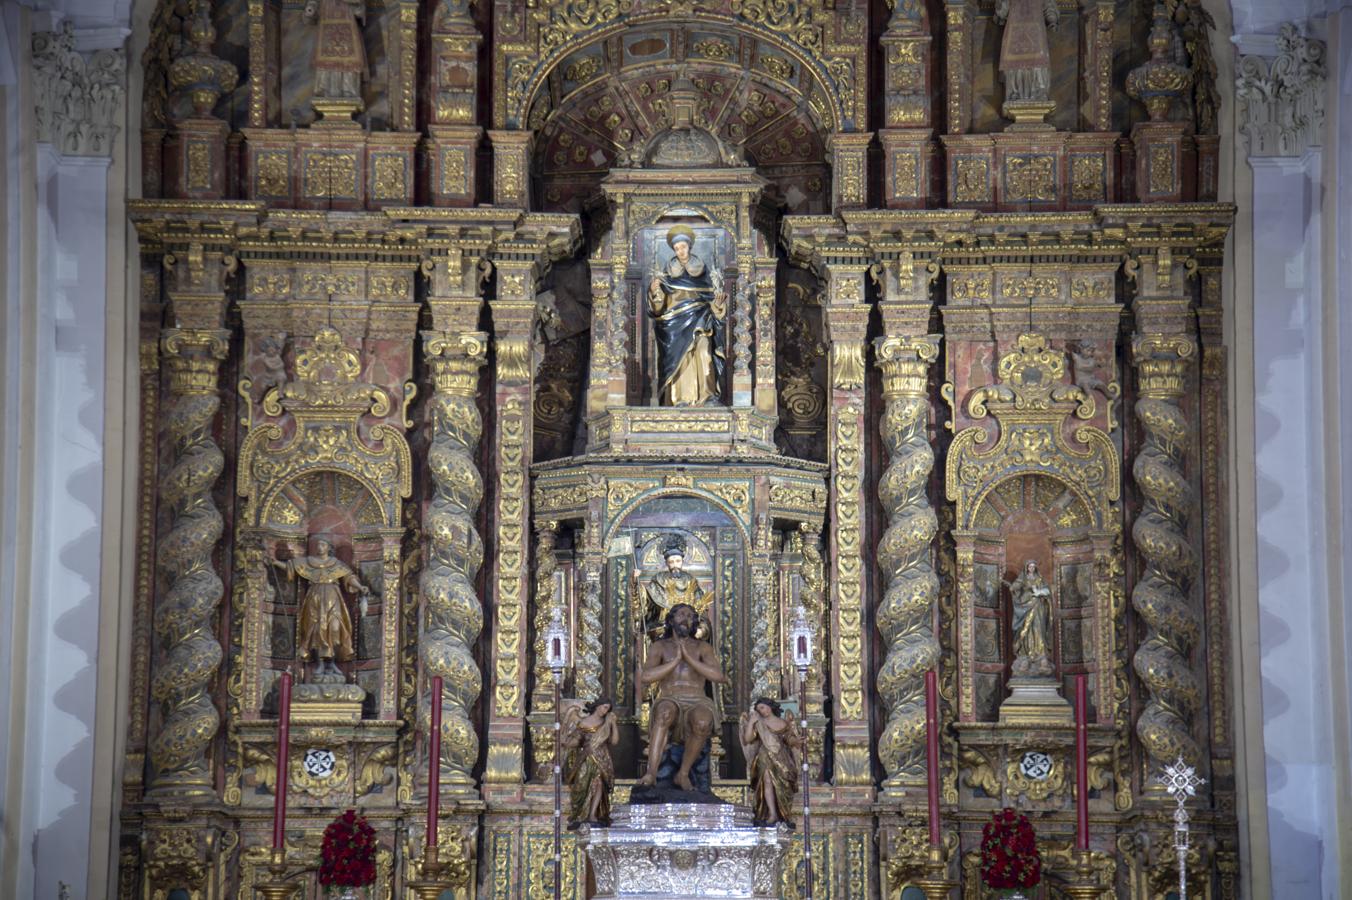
x,y
488,305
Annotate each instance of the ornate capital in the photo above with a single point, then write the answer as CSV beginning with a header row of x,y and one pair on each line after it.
x,y
78,95
455,360
193,357
905,363
1161,362
1281,99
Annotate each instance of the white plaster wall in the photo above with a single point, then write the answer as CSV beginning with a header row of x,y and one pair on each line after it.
x,y
1293,598
52,409
1293,268
72,238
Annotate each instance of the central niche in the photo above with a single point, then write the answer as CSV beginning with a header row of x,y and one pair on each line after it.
x,y
715,554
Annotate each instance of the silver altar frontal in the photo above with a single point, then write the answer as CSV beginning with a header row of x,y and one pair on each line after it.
x,y
681,851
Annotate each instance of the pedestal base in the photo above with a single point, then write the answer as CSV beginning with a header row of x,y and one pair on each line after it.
x,y
327,702
1035,701
680,851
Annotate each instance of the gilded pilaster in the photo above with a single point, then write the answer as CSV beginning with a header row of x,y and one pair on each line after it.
x,y
849,169
511,167
189,652
1162,596
514,314
905,616
454,548
133,774
846,325
542,697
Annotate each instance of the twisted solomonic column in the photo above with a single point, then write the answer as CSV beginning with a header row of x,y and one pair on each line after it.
x,y
1162,596
765,671
904,617
587,666
189,652
454,549
542,698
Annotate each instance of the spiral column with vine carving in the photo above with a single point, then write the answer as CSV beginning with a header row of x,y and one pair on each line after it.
x,y
542,698
189,653
454,549
587,668
1162,596
906,613
765,669
812,595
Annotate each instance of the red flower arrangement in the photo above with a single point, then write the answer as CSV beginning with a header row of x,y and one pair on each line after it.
x,y
348,856
1009,855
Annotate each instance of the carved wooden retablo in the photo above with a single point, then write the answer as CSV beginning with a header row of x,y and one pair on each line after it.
x,y
873,309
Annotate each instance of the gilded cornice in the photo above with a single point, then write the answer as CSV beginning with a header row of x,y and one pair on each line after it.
x,y
403,234
1105,233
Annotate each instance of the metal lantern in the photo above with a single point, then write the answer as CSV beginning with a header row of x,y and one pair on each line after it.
x,y
800,638
556,640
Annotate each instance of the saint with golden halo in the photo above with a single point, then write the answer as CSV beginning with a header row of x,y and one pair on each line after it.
x,y
688,306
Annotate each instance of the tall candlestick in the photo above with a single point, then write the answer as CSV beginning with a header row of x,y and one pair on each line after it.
x,y
434,767
932,752
283,753
1081,763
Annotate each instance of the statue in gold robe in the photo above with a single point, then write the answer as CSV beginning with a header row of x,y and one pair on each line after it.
x,y
589,733
324,625
688,307
666,589
340,52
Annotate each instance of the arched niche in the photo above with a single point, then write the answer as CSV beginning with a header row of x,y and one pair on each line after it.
x,y
341,508
717,553
1025,517
601,105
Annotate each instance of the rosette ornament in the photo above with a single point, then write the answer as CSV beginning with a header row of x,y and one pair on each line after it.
x,y
199,74
1159,82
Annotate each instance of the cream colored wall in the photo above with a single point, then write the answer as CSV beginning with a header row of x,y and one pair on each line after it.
x,y
1288,296
1238,324
64,514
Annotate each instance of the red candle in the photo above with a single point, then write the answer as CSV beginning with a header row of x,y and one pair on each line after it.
x,y
1081,763
283,752
932,751
434,765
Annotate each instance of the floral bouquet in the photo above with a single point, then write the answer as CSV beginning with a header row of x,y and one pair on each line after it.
x,y
348,856
1009,856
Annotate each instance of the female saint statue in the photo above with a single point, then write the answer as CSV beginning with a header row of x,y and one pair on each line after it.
x,y
1025,60
688,306
1031,600
588,734
340,53
325,626
771,744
